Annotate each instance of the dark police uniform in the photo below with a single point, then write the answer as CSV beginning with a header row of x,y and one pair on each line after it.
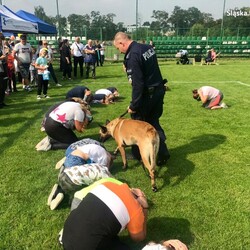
x,y
148,90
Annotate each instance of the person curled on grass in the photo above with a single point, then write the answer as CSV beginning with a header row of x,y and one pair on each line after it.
x,y
166,245
81,167
210,97
103,210
63,120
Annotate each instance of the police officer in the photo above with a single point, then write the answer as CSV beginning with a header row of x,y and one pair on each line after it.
x,y
148,88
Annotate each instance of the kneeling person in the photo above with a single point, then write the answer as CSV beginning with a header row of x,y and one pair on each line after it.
x,y
82,166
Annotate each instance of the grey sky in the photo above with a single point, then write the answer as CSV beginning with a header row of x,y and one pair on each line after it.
x,y
124,9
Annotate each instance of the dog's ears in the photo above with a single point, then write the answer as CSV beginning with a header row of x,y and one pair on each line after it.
x,y
103,128
107,122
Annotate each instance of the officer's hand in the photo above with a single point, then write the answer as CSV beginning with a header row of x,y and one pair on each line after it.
x,y
130,111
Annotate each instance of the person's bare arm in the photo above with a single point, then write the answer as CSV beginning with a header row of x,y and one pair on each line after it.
x,y
81,154
79,125
141,198
203,97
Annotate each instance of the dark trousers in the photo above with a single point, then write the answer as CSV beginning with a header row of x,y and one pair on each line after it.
x,y
52,73
42,85
151,111
12,82
88,66
61,137
78,60
3,87
67,69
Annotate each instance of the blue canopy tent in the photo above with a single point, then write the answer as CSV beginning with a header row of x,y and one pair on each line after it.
x,y
43,27
10,22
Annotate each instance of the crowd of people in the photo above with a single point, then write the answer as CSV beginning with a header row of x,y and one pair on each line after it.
x,y
33,65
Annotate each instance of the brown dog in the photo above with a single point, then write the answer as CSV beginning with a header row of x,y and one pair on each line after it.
x,y
127,132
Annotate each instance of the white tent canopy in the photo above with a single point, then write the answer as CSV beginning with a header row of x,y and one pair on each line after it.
x,y
10,22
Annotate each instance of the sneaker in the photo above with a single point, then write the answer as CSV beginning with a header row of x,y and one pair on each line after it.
x,y
52,194
60,163
28,88
59,85
46,96
60,235
42,129
55,202
69,79
44,144
224,105
38,97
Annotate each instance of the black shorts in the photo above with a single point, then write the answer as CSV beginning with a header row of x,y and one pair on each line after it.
x,y
24,70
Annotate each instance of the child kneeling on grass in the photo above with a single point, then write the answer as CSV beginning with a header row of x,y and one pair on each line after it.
x,y
82,166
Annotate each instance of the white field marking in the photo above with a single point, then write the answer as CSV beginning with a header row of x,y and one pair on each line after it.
x,y
219,82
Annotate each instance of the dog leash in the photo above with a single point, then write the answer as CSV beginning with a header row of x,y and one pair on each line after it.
x,y
124,114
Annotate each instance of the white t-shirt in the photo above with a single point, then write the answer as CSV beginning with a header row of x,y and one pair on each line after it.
x,y
68,112
103,92
102,49
96,153
23,52
211,92
154,247
77,52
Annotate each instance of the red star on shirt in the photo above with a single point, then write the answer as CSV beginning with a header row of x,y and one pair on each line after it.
x,y
61,117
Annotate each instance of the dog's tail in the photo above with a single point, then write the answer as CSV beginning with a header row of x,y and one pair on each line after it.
x,y
155,149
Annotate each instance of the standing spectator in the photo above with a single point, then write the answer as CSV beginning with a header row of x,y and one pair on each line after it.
x,y
33,70
50,58
12,42
102,53
3,72
107,208
90,58
148,88
39,47
98,54
77,50
42,65
66,59
23,54
11,70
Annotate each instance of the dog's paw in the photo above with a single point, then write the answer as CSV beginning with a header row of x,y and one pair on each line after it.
x,y
154,189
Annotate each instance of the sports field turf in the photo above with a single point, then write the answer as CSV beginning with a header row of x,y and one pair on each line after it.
x,y
204,194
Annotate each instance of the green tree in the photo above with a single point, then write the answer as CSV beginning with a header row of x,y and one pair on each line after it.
x,y
237,24
161,19
78,23
179,20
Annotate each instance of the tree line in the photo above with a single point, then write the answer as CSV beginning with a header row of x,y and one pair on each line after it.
x,y
181,22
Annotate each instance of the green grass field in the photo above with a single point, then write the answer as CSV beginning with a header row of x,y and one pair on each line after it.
x,y
203,196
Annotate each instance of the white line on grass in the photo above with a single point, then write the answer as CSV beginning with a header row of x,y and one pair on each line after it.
x,y
199,82
242,83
